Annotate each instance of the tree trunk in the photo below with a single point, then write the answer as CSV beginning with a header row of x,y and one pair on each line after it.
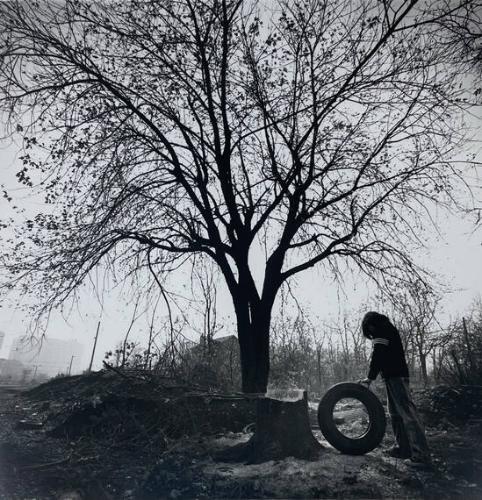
x,y
319,370
282,429
423,368
282,424
469,347
255,362
459,370
434,363
253,337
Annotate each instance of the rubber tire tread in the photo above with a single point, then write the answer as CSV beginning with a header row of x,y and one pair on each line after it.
x,y
376,413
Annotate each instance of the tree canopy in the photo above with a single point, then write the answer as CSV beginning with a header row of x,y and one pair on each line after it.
x,y
161,131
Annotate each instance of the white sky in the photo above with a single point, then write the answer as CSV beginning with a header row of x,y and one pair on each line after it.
x,y
455,255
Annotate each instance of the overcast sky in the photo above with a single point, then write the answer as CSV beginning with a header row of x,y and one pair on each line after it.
x,y
455,255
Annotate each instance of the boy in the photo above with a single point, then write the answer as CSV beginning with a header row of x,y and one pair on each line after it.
x,y
388,358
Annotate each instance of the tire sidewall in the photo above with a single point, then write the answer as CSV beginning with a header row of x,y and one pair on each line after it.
x,y
376,413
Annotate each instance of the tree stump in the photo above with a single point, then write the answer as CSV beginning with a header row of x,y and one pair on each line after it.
x,y
282,430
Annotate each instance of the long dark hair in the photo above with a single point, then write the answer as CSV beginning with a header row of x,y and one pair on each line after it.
x,y
378,321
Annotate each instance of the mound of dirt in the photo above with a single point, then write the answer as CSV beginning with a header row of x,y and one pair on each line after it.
x,y
101,383
119,417
106,404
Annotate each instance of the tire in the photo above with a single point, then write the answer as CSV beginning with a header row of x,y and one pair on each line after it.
x,y
376,414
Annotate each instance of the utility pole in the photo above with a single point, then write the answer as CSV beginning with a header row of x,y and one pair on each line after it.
x,y
93,350
70,366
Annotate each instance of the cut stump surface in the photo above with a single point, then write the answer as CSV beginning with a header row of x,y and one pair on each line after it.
x,y
282,430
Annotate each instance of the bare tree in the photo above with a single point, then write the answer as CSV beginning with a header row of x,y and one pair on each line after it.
x,y
417,307
461,353
205,278
164,131
292,347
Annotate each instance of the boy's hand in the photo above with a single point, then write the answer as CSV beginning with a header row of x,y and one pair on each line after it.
x,y
365,381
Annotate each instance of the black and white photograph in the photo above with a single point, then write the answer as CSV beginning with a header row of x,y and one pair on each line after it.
x,y
241,249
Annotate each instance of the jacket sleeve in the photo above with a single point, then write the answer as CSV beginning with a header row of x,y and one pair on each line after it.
x,y
379,353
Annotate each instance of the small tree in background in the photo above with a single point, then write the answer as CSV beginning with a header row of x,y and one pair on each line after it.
x,y
415,308
292,352
460,356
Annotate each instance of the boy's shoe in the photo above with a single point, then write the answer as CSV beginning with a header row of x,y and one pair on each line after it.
x,y
396,452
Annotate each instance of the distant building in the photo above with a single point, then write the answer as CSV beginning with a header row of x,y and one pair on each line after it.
x,y
2,338
12,370
49,357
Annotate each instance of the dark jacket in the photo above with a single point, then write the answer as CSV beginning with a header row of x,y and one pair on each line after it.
x,y
388,357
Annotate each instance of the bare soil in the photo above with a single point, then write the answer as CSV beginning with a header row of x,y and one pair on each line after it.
x,y
104,436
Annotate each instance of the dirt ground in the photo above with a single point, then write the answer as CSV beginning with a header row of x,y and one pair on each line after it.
x,y
46,451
